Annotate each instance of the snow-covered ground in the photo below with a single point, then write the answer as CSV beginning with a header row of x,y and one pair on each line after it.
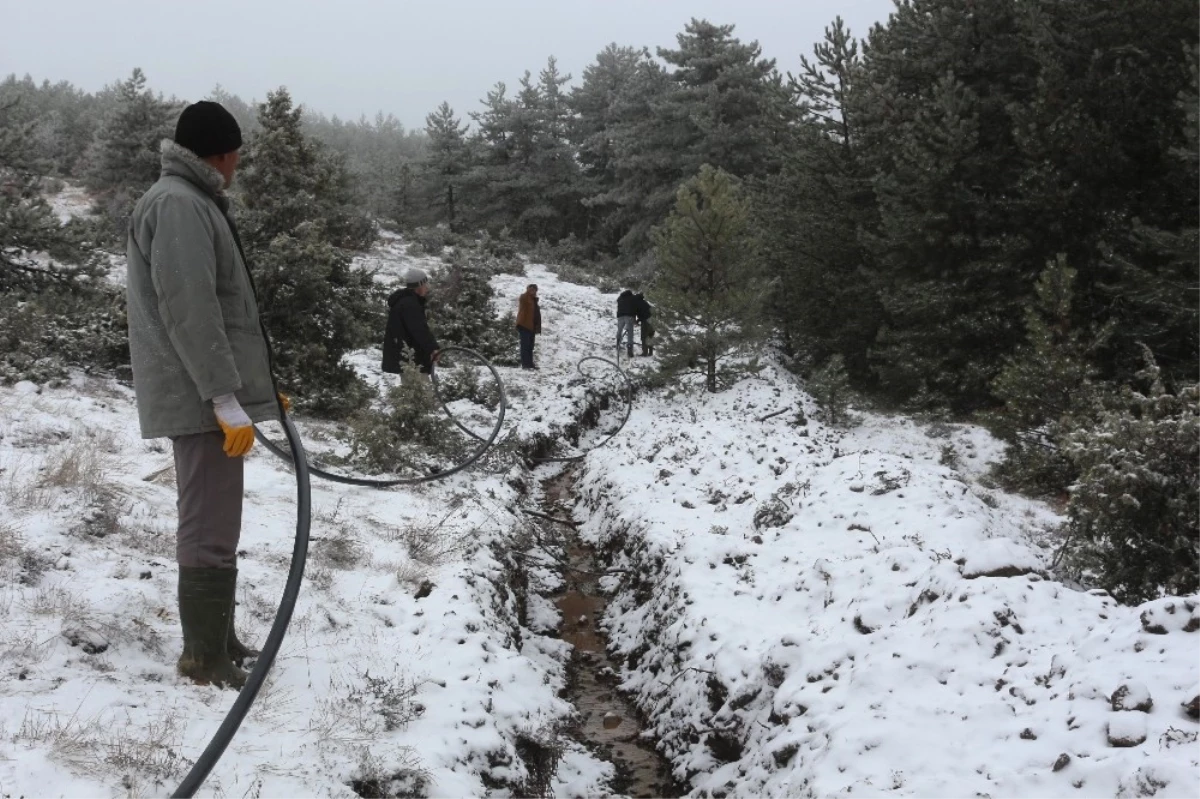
x,y
800,611
404,659
814,612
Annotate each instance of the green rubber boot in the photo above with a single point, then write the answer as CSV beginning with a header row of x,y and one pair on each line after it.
x,y
205,609
239,653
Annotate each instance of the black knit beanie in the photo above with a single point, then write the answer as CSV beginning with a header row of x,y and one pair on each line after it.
x,y
206,128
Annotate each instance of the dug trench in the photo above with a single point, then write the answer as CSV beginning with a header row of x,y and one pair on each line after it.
x,y
543,565
605,721
546,562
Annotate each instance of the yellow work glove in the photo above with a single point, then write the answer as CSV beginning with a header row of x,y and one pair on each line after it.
x,y
285,401
239,430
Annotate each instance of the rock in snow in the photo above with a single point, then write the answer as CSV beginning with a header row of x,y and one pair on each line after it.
x,y
1132,696
1126,729
1000,557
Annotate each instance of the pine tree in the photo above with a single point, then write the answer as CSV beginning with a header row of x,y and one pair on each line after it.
x,y
404,206
557,212
642,169
1135,506
1154,274
374,153
596,102
938,86
732,100
554,102
707,290
954,267
288,179
495,161
126,150
526,177
409,433
462,306
29,227
447,157
55,309
830,387
1049,387
1000,134
810,214
62,122
723,105
123,160
299,224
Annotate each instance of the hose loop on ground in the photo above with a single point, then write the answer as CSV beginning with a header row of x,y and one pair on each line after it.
x,y
620,427
480,451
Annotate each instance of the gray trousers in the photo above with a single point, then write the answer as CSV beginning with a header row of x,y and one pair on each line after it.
x,y
210,487
625,328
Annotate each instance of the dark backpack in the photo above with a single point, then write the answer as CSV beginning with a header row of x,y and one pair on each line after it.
x,y
643,308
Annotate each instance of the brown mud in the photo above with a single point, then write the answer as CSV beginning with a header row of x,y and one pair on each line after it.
x,y
607,723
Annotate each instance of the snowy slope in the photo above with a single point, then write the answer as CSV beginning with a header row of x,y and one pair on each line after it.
x,y
800,611
887,626
404,663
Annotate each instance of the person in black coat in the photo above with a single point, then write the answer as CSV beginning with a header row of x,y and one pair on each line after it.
x,y
407,325
626,315
643,311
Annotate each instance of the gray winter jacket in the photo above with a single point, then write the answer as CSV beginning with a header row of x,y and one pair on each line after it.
x,y
194,330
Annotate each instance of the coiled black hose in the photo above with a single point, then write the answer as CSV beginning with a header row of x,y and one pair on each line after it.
x,y
620,427
485,443
254,682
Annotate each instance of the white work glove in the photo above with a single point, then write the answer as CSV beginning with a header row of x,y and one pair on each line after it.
x,y
239,430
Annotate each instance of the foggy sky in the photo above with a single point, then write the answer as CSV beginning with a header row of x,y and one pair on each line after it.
x,y
354,57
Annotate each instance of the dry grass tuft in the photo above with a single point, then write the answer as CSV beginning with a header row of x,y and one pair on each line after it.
x,y
148,748
339,549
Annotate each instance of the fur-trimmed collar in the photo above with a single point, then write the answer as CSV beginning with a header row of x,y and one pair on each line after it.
x,y
179,160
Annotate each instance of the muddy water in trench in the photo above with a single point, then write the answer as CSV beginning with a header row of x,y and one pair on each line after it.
x,y
607,722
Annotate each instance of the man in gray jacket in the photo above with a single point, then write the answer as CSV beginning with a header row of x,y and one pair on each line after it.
x,y
201,370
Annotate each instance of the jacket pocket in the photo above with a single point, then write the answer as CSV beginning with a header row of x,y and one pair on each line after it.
x,y
250,356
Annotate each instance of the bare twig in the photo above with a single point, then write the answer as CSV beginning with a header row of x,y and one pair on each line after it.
x,y
773,415
150,478
535,513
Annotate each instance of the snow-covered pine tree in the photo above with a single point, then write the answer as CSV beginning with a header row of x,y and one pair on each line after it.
x,y
462,309
123,160
299,225
708,291
374,153
288,178
62,122
1134,510
55,311
409,433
